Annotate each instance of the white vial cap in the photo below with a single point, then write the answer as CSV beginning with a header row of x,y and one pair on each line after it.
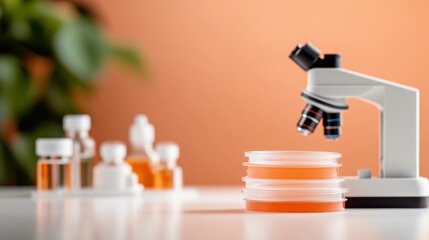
x,y
113,152
141,131
77,122
62,147
168,151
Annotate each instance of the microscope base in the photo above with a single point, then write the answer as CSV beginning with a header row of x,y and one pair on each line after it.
x,y
387,192
387,202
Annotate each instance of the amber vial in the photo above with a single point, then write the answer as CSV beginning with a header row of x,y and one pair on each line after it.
x,y
53,166
163,178
143,157
167,175
142,167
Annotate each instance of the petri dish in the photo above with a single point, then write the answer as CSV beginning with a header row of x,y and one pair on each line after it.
x,y
281,184
293,181
292,158
295,207
295,200
296,195
292,172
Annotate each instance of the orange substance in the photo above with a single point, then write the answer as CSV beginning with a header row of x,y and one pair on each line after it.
x,y
53,176
292,173
164,179
143,169
295,207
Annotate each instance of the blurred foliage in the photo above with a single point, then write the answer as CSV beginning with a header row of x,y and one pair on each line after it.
x,y
48,50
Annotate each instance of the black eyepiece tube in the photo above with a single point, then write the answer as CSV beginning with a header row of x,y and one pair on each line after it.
x,y
305,56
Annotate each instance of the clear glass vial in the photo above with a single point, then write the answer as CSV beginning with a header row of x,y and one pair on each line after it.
x,y
77,128
53,166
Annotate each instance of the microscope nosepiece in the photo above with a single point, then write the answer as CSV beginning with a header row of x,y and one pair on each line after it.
x,y
310,117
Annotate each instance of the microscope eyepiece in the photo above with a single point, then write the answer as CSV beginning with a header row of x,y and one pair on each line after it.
x,y
308,57
305,56
332,125
310,117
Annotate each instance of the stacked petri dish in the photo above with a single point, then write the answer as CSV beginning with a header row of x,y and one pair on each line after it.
x,y
293,181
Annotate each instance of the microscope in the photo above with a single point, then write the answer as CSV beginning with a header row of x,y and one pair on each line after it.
x,y
328,85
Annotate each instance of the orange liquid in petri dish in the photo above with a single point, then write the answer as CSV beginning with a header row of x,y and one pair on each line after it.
x,y
294,207
164,179
53,176
292,173
143,169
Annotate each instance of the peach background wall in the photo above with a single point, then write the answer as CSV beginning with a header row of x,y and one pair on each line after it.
x,y
221,82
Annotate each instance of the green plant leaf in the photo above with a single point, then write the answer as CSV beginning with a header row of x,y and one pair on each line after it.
x,y
20,27
9,70
3,159
17,91
59,98
70,81
127,56
23,152
11,6
80,48
4,111
44,14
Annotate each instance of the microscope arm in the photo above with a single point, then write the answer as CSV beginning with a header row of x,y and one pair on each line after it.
x,y
399,107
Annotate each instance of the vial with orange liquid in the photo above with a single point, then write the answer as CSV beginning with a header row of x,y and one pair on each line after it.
x,y
53,165
142,157
167,175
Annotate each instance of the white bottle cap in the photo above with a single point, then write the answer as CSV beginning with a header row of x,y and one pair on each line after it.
x,y
168,152
77,122
141,131
113,152
62,147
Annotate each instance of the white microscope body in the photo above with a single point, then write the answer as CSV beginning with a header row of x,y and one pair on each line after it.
x,y
399,184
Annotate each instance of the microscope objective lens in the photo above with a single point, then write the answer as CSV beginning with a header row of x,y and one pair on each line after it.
x,y
332,125
310,117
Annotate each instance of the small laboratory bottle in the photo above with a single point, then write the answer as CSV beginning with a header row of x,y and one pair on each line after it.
x,y
112,173
167,175
77,128
142,156
53,165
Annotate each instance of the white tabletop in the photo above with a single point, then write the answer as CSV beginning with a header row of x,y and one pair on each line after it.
x,y
217,213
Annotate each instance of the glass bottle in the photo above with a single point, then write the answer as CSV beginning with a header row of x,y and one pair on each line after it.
x,y
112,174
142,156
167,175
77,128
53,165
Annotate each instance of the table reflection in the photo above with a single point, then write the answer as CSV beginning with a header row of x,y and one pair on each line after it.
x,y
107,218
